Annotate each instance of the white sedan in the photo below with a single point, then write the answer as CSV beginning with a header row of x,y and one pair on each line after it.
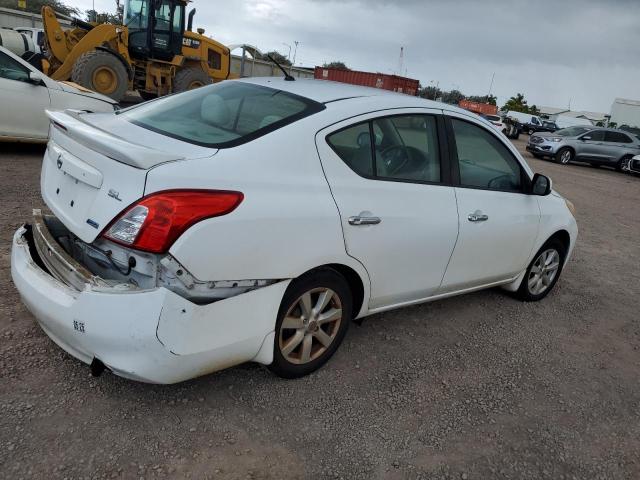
x,y
25,94
252,220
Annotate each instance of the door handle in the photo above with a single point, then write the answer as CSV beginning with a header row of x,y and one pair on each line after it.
x,y
477,216
358,220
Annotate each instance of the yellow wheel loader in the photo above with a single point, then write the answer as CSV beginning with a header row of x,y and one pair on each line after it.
x,y
151,52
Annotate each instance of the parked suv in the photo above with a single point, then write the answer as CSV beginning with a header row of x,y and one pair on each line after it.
x,y
546,126
597,146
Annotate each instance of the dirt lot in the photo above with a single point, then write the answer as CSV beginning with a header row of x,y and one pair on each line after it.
x,y
475,387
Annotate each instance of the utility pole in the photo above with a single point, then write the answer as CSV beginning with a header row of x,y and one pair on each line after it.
x,y
295,52
491,85
289,54
401,61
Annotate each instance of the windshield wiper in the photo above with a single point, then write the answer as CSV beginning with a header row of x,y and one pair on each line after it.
x,y
287,76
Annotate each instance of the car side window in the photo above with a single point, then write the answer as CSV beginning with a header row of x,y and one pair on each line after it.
x,y
404,147
617,137
595,136
12,70
353,146
408,149
484,162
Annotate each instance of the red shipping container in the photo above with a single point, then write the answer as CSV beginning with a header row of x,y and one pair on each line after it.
x,y
477,107
369,79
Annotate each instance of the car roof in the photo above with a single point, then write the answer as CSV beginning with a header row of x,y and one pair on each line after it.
x,y
326,91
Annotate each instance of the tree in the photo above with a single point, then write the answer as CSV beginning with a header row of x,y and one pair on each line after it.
x,y
336,64
533,110
490,99
104,17
430,92
35,6
453,97
517,104
277,56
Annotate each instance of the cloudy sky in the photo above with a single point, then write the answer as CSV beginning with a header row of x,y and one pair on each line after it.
x,y
586,52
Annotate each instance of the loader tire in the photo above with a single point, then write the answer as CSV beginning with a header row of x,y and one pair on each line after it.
x,y
189,78
101,72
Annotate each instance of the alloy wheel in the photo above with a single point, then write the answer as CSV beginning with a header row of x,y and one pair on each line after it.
x,y
310,325
543,271
565,157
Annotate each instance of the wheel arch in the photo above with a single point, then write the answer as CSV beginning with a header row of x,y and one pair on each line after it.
x,y
564,238
354,280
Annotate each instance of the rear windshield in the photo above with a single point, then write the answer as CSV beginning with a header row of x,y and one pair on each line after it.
x,y
493,118
222,115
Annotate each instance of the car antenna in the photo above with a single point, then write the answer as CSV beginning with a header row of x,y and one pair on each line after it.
x,y
287,76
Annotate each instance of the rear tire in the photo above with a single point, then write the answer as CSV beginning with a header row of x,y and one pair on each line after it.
x,y
101,72
543,272
564,155
189,78
317,308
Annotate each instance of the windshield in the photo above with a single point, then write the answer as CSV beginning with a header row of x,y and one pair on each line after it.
x,y
222,115
573,131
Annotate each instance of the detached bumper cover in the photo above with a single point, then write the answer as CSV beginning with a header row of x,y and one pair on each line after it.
x,y
153,335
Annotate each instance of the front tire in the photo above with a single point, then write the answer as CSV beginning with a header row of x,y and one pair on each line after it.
x,y
189,78
564,155
101,72
543,272
313,319
622,163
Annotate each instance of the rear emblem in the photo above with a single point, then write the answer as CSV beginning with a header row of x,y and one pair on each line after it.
x,y
59,162
114,194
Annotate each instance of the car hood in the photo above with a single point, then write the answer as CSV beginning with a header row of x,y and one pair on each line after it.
x,y
76,89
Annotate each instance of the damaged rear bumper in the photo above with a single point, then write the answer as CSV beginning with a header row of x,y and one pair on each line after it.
x,y
151,335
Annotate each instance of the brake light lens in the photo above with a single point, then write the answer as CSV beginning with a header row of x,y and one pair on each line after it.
x,y
156,221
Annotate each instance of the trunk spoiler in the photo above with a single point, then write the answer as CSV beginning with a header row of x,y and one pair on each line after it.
x,y
107,144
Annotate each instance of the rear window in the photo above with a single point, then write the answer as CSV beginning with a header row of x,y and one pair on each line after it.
x,y
222,115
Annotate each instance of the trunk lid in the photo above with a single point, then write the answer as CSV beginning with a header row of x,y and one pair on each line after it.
x,y
95,166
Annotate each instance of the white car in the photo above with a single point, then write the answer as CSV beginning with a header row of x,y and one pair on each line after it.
x,y
25,94
496,121
252,220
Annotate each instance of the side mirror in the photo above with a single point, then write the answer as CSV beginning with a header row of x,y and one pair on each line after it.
x,y
540,185
36,78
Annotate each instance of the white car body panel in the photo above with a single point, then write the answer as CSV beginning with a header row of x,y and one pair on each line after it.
x,y
407,253
133,335
23,117
298,196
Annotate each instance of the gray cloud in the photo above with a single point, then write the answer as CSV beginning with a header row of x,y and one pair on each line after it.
x,y
552,51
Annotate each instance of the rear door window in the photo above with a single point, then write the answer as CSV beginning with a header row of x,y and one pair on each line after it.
x,y
617,137
399,147
222,115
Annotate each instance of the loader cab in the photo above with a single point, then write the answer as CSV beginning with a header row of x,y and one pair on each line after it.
x,y
156,28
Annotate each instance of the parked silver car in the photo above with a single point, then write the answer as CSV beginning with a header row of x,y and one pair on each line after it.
x,y
597,146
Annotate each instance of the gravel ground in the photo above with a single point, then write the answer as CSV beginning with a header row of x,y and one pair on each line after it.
x,y
475,387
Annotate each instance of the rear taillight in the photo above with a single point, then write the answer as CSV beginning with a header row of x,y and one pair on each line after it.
x,y
156,221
